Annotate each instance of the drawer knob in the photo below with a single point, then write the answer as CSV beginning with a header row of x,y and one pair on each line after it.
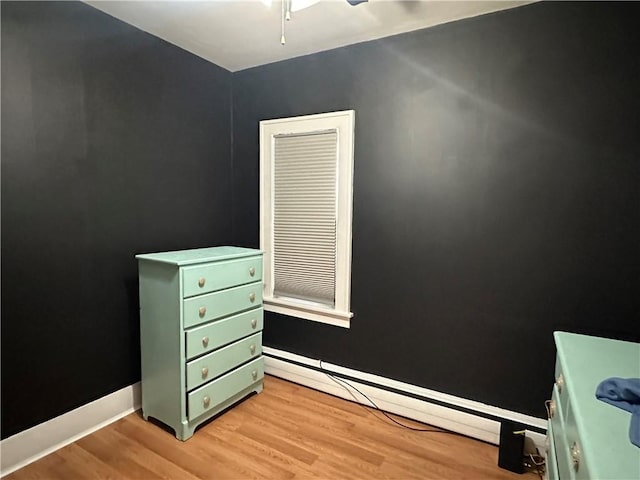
x,y
205,372
206,401
560,383
252,297
575,456
252,349
254,323
254,374
252,271
202,311
201,281
205,341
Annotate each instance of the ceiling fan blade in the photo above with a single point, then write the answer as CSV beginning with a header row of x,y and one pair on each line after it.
x,y
356,2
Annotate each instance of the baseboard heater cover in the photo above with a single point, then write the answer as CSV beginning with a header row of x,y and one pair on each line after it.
x,y
468,417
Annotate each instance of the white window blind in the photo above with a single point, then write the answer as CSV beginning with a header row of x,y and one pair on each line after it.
x,y
306,197
304,216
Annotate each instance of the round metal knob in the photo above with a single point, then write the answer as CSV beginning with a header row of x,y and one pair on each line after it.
x,y
254,323
552,408
201,281
202,311
206,401
205,372
252,349
254,374
252,297
252,271
575,456
205,341
560,383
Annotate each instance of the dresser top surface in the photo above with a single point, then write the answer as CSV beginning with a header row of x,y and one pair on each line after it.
x,y
604,429
199,255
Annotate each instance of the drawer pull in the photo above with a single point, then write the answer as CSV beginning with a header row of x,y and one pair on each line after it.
x,y
252,349
205,372
205,341
252,271
254,323
201,281
575,456
206,401
254,374
560,383
202,311
551,408
252,297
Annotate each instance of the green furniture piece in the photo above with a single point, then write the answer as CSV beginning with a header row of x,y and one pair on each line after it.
x,y
201,320
586,437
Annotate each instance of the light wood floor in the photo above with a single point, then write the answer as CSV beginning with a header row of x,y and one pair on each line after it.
x,y
286,431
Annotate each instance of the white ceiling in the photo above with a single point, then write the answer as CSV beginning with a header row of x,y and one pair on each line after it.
x,y
241,34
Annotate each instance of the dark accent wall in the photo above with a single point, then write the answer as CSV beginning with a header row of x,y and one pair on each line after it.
x,y
113,143
496,194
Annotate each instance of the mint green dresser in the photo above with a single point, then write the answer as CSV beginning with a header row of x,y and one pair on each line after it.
x,y
588,438
201,320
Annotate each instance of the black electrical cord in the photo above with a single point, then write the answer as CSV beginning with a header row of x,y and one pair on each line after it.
x,y
344,384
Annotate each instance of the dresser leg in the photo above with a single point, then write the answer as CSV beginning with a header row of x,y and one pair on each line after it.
x,y
186,432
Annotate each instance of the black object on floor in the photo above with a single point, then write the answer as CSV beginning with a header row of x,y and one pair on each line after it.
x,y
511,449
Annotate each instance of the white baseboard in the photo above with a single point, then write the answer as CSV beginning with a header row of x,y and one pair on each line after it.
x,y
279,363
30,445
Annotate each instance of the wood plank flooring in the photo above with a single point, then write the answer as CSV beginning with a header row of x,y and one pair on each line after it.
x,y
287,431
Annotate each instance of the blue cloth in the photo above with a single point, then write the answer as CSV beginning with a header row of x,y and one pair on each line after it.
x,y
623,393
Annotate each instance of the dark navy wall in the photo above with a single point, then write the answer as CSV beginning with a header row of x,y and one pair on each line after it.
x,y
113,143
496,194
497,199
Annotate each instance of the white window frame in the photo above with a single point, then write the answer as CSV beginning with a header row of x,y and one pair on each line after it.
x,y
343,122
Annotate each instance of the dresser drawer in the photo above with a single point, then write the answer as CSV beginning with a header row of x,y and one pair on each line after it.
x,y
201,279
214,393
563,458
216,363
558,425
213,335
204,308
561,385
551,464
577,457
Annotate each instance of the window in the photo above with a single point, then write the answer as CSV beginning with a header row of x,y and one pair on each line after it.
x,y
306,180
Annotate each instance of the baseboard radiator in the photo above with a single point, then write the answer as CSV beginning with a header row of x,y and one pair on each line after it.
x,y
468,417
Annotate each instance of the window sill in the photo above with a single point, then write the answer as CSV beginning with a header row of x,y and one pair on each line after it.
x,y
316,314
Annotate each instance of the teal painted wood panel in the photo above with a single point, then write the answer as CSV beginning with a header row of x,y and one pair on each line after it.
x,y
600,430
161,351
200,255
214,364
205,308
220,389
216,276
205,338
